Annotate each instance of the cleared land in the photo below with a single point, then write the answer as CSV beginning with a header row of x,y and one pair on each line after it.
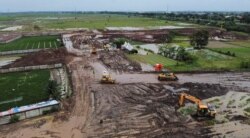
x,y
36,42
23,88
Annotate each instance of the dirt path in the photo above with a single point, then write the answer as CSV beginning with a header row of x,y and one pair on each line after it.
x,y
233,81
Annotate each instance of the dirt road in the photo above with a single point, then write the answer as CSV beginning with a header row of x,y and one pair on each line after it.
x,y
233,81
68,123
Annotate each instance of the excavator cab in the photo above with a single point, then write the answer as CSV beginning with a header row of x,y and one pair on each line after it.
x,y
202,109
206,111
167,77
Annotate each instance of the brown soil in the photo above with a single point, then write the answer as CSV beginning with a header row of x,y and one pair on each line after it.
x,y
202,90
117,61
44,57
144,110
121,110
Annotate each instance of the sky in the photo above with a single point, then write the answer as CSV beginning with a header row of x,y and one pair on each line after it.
x,y
124,5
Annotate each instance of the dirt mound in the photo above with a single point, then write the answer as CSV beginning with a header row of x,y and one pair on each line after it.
x,y
116,60
44,57
202,90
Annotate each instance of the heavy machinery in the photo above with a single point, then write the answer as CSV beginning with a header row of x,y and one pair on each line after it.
x,y
107,79
203,110
167,77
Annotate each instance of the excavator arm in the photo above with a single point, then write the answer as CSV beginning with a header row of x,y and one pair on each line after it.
x,y
191,98
202,110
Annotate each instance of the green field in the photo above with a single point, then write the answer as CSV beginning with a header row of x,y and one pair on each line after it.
x,y
153,59
240,43
98,21
23,88
36,42
84,20
203,61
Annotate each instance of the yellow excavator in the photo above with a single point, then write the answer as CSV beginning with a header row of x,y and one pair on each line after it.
x,y
203,110
107,79
167,77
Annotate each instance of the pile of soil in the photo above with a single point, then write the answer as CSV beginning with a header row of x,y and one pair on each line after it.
x,y
147,36
117,61
202,90
44,57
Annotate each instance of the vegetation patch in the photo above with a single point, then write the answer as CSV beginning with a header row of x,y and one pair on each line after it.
x,y
14,119
247,109
23,88
188,110
36,42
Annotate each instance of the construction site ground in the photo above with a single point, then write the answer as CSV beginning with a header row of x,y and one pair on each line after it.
x,y
138,105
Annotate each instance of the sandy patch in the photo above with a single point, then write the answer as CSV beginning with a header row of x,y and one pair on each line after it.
x,y
125,28
13,28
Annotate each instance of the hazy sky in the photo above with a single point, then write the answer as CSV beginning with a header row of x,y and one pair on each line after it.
x,y
124,5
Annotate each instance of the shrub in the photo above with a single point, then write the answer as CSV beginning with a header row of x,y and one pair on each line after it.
x,y
133,51
54,90
244,65
14,119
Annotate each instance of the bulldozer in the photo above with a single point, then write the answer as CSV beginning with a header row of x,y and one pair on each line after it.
x,y
107,79
203,110
167,77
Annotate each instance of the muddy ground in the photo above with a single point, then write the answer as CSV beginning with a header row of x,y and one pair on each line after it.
x,y
144,110
44,57
143,107
117,61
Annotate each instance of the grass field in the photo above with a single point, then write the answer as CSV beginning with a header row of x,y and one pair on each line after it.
x,y
71,20
99,21
153,59
240,43
240,48
204,60
37,42
23,88
241,52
